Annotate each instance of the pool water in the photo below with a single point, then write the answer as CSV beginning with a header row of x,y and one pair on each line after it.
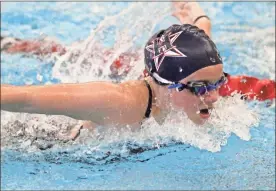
x,y
236,152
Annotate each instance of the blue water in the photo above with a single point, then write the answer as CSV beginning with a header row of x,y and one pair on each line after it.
x,y
240,165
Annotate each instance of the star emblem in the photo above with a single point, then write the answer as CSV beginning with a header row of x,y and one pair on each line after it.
x,y
162,47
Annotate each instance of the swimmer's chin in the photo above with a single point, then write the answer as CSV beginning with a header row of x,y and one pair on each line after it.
x,y
199,121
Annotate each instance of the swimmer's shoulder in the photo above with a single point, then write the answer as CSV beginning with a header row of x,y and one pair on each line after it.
x,y
137,93
137,88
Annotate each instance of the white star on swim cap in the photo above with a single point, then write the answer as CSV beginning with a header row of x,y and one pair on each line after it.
x,y
162,47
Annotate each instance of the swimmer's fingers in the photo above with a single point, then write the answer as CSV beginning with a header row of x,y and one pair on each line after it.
x,y
187,12
72,135
76,130
183,17
180,11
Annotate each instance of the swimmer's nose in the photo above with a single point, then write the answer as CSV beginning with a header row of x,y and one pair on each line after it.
x,y
211,97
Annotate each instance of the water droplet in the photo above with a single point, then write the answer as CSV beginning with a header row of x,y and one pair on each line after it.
x,y
212,59
243,80
39,77
180,69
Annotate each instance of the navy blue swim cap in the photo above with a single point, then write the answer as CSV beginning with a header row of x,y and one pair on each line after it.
x,y
178,51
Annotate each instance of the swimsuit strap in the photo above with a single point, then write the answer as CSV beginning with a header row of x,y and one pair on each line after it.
x,y
148,111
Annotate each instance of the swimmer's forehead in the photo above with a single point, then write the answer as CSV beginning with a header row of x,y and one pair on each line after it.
x,y
208,74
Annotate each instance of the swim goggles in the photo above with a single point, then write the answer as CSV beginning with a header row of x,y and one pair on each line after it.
x,y
199,88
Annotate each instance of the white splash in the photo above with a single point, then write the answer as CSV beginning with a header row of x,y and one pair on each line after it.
x,y
88,60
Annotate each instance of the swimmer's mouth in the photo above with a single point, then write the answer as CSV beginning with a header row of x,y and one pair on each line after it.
x,y
205,113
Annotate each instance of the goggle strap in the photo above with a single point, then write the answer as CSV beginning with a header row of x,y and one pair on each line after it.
x,y
178,86
160,79
172,86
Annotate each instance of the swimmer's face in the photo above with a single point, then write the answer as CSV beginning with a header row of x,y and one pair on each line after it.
x,y
193,104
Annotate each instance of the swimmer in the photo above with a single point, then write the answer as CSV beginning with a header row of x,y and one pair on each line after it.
x,y
183,71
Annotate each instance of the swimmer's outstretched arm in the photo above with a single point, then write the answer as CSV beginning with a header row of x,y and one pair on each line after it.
x,y
101,102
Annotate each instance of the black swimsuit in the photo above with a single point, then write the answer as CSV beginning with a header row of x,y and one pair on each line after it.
x,y
148,111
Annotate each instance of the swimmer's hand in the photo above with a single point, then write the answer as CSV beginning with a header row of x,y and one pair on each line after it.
x,y
75,131
181,11
188,12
